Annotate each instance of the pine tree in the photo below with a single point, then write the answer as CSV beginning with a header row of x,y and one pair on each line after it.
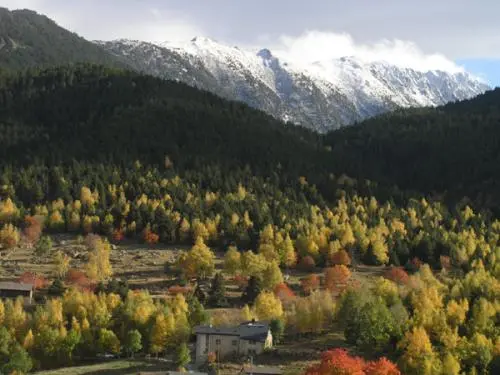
x,y
217,294
252,290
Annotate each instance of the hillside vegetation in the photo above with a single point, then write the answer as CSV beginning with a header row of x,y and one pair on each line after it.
x,y
102,152
450,150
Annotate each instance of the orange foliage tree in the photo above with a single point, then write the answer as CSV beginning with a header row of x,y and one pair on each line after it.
x,y
150,237
397,274
336,277
310,283
33,229
39,282
79,279
284,293
339,362
341,257
117,235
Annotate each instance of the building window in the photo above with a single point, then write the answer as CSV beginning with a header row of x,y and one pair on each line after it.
x,y
235,342
217,342
253,342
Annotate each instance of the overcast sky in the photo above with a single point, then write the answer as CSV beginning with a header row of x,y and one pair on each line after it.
x,y
421,34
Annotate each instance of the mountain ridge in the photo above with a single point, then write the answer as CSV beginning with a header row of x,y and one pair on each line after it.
x,y
323,96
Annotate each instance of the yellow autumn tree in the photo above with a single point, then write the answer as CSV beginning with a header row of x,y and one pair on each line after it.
x,y
253,264
9,236
199,261
247,314
159,334
268,306
99,265
288,255
451,365
29,340
418,356
271,276
232,261
8,210
139,307
61,264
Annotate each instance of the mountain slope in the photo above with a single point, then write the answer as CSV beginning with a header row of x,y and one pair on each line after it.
x,y
90,112
452,149
323,96
28,39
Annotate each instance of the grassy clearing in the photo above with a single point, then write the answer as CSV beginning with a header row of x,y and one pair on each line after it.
x,y
119,367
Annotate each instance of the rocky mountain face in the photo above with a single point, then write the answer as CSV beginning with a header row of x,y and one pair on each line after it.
x,y
322,96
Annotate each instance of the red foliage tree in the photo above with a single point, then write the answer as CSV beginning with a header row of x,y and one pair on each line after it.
x,y
307,263
39,282
310,283
150,237
382,366
33,229
339,362
284,293
341,257
398,275
336,277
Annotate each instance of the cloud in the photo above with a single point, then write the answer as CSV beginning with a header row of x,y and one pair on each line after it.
x,y
98,20
313,46
20,4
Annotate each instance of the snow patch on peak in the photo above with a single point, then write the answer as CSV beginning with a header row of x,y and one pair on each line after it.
x,y
322,94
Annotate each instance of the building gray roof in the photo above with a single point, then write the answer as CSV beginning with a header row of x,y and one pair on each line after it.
x,y
262,370
256,331
10,285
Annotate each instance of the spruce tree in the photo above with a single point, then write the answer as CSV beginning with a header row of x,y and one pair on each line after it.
x,y
217,294
252,290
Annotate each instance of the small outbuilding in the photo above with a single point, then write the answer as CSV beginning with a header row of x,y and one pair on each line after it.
x,y
9,289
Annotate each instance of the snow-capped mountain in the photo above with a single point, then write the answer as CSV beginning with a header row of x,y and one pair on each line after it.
x,y
322,96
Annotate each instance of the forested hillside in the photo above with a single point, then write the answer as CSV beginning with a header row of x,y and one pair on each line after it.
x,y
97,151
28,39
451,149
